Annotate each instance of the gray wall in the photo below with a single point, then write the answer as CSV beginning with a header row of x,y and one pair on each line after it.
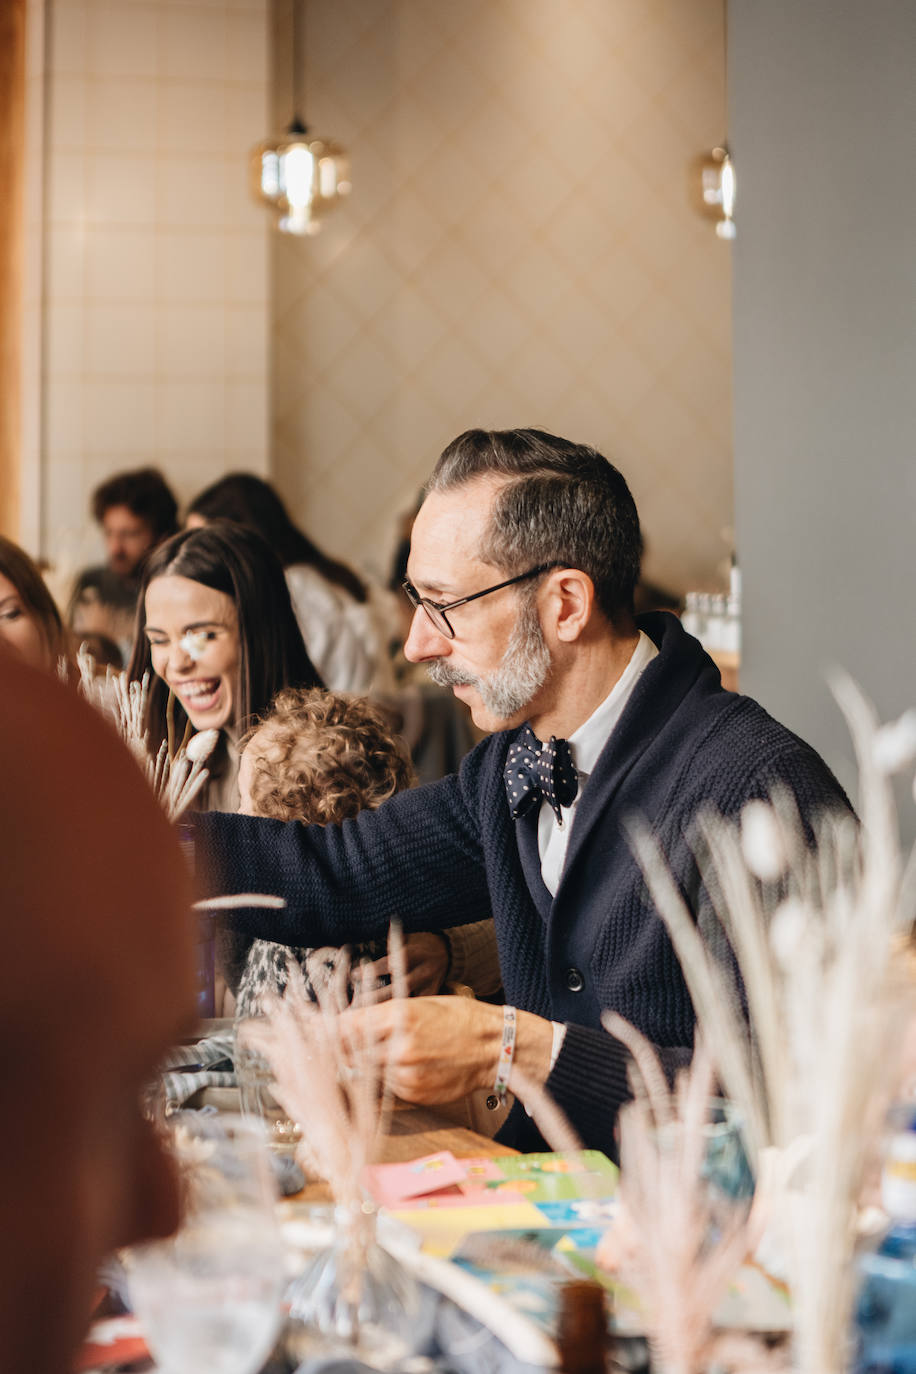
x,y
823,131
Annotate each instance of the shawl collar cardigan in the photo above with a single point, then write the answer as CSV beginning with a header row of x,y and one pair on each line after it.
x,y
443,854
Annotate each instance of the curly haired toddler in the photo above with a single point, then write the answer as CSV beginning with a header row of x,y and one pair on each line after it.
x,y
319,757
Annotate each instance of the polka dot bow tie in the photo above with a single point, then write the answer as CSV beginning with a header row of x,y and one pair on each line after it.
x,y
534,770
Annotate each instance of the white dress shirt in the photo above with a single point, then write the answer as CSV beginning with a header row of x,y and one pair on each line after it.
x,y
586,744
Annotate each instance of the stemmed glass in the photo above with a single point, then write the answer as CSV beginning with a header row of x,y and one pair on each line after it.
x,y
257,1096
210,1297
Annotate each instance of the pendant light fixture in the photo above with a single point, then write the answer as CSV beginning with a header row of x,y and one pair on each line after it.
x,y
715,171
717,190
298,176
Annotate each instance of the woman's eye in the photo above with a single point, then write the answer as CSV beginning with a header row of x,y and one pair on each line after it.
x,y
194,642
13,614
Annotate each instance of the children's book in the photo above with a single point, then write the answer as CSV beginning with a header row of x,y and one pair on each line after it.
x,y
501,1240
442,1181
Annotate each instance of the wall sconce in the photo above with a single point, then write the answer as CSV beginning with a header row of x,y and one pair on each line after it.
x,y
299,177
715,183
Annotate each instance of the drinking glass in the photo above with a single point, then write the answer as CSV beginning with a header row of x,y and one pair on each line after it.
x,y
256,1081
210,1297
353,1299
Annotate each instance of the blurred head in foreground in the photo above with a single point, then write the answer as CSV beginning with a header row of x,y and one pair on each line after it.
x,y
98,981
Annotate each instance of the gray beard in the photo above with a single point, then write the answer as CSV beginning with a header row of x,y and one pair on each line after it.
x,y
522,672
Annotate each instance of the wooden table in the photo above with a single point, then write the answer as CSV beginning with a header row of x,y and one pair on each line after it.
x,y
414,1132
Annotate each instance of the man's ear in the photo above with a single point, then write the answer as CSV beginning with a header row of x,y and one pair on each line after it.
x,y
568,603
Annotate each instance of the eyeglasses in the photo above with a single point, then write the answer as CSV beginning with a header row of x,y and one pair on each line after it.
x,y
436,609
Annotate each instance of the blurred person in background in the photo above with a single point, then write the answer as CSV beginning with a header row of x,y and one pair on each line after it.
x,y
30,623
334,607
136,511
90,1004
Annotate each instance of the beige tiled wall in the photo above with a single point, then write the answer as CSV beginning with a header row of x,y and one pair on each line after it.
x,y
156,283
519,248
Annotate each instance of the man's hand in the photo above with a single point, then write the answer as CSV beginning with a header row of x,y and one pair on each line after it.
x,y
439,1049
426,958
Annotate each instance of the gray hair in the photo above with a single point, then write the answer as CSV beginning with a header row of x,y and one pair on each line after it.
x,y
562,504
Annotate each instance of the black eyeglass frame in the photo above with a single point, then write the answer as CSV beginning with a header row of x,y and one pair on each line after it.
x,y
440,607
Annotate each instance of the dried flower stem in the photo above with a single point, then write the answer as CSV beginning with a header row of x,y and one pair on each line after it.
x,y
683,1256
176,778
332,1088
815,947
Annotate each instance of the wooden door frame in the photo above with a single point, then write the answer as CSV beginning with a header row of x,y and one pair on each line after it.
x,y
12,263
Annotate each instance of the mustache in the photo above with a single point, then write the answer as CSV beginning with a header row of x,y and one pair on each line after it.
x,y
444,674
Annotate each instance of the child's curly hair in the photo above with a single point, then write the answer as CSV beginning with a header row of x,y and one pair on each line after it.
x,y
324,757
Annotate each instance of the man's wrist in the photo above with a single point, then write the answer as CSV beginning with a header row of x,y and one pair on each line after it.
x,y
534,1040
506,1053
444,936
533,1047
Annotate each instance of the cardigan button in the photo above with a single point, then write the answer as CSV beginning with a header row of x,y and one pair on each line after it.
x,y
574,980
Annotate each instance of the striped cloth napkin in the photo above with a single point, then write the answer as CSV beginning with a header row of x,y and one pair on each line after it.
x,y
206,1064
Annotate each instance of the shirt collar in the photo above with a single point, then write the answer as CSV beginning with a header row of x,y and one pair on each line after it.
x,y
588,741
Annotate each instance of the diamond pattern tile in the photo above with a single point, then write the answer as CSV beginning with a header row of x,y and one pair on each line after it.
x,y
519,248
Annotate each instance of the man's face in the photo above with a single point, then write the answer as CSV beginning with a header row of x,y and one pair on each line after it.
x,y
498,662
127,538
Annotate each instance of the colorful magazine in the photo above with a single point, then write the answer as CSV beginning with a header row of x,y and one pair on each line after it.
x,y
500,1241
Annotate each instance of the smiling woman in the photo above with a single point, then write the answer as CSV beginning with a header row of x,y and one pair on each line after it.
x,y
194,646
216,627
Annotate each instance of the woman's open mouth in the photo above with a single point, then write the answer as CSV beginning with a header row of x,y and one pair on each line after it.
x,y
200,696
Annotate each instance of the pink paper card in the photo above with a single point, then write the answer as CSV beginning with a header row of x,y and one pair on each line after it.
x,y
480,1171
394,1184
470,1197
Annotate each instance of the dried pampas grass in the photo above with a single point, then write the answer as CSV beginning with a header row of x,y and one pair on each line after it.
x,y
177,776
682,1246
335,1091
549,1118
815,922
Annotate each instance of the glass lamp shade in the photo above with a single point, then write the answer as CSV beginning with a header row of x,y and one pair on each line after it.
x,y
300,178
716,184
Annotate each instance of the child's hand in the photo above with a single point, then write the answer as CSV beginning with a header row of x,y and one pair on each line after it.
x,y
427,959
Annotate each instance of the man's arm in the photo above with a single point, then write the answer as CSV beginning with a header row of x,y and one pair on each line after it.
x,y
590,1082
417,859
439,1049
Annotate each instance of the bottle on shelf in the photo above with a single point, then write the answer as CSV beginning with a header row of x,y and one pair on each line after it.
x,y
691,617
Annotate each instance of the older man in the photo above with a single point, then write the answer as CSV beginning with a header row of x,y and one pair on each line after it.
x,y
97,982
523,564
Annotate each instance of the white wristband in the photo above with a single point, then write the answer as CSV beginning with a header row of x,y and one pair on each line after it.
x,y
506,1054
559,1035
